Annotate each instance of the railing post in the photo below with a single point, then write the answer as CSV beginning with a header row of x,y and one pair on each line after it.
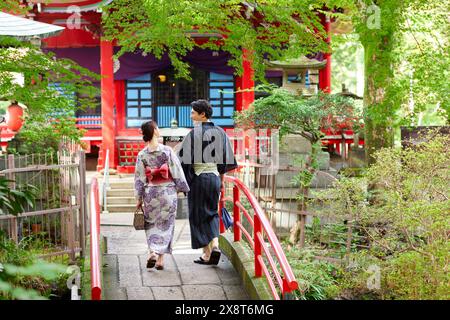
x,y
257,229
236,214
286,290
221,202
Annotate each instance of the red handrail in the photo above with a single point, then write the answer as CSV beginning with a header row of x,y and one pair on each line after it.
x,y
96,284
261,226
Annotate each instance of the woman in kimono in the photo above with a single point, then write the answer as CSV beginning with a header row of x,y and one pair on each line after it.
x,y
206,155
158,178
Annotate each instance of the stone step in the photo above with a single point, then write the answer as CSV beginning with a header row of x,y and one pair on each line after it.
x,y
120,193
121,184
121,200
122,208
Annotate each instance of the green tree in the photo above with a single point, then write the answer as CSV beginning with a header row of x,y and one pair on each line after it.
x,y
403,41
268,29
48,91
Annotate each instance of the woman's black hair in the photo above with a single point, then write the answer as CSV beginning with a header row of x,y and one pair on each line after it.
x,y
201,106
148,129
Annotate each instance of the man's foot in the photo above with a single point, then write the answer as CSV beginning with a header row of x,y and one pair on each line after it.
x,y
200,260
215,256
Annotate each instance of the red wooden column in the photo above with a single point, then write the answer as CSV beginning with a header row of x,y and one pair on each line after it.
x,y
246,98
325,73
107,96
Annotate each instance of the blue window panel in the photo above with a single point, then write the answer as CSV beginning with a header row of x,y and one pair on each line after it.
x,y
216,112
223,122
135,122
214,93
132,103
307,78
215,102
184,117
165,115
228,112
146,94
228,102
144,77
132,112
227,93
146,103
146,112
132,94
218,76
222,84
139,85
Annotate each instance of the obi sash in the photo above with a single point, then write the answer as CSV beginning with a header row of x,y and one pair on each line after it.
x,y
158,175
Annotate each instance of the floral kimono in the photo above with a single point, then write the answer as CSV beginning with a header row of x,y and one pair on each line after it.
x,y
159,198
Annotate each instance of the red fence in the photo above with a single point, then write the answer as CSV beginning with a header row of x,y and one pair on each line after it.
x,y
96,284
261,229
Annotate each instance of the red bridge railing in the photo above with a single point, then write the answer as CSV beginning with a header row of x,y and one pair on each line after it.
x,y
261,230
96,283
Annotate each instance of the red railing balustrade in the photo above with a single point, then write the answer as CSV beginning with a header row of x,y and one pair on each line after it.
x,y
96,283
261,228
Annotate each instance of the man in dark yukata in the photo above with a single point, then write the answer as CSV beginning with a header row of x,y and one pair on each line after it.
x,y
206,155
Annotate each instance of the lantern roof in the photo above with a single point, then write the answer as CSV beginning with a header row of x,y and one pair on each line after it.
x,y
300,63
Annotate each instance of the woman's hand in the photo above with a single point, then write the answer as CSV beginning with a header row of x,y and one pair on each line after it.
x,y
139,204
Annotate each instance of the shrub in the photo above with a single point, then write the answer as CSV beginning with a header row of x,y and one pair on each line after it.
x,y
14,201
401,204
23,276
316,279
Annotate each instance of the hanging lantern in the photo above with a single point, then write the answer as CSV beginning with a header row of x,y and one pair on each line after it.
x,y
15,113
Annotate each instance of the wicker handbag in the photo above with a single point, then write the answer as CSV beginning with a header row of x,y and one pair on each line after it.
x,y
139,221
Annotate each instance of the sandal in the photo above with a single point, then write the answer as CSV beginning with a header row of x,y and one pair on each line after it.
x,y
159,267
201,261
215,256
151,261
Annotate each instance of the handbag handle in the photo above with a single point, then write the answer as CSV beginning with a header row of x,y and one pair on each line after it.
x,y
137,210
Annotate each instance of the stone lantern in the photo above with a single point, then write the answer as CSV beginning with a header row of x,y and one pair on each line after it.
x,y
306,72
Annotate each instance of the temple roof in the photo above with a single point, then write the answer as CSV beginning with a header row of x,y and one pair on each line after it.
x,y
62,6
297,64
25,29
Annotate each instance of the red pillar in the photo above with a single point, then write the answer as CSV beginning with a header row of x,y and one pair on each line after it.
x,y
246,81
246,98
325,73
107,96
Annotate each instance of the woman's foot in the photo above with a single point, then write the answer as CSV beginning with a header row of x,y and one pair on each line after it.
x,y
160,262
152,260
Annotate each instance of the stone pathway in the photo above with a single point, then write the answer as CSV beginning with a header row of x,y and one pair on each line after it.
x,y
127,278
